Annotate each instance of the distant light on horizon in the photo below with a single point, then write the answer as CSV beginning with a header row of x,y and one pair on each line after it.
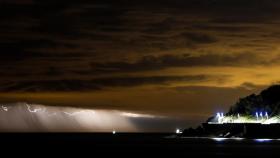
x,y
178,131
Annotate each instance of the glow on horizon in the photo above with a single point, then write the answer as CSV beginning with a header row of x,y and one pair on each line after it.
x,y
136,115
40,118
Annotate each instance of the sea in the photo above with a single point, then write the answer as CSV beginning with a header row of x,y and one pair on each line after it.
x,y
133,145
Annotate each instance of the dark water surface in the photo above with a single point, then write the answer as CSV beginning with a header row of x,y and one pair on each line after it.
x,y
130,145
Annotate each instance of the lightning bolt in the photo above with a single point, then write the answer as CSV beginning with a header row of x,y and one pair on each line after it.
x,y
5,108
34,110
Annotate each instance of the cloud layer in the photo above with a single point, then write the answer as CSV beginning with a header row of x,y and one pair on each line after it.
x,y
118,51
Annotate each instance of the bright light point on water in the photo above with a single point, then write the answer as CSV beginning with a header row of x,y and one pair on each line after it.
x,y
223,139
219,139
113,132
237,138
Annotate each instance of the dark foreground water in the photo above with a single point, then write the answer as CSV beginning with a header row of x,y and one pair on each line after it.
x,y
131,145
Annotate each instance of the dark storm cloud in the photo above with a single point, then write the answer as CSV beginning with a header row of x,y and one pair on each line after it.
x,y
162,26
95,84
226,28
60,20
117,54
69,19
186,60
66,40
198,37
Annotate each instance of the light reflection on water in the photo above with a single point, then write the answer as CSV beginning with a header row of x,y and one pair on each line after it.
x,y
221,139
264,140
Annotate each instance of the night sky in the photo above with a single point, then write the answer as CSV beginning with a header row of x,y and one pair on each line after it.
x,y
181,58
